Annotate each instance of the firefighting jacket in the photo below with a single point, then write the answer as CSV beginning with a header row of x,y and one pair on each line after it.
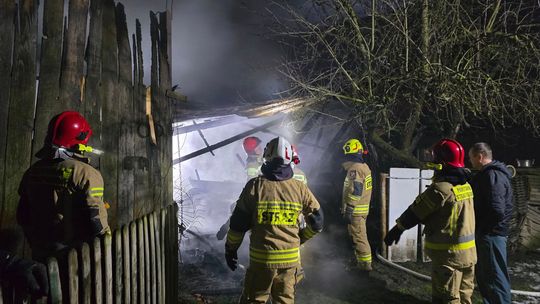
x,y
357,188
447,211
270,210
299,175
61,202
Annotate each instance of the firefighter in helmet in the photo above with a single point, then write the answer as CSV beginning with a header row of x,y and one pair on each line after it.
x,y
61,195
253,151
357,189
269,207
252,147
446,209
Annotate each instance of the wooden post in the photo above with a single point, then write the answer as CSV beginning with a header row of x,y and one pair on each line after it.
x,y
117,266
162,214
21,109
134,272
55,286
384,213
48,102
153,257
85,274
97,278
73,277
147,261
126,258
154,154
108,270
142,266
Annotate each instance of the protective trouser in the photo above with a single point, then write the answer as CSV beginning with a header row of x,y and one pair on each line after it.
x,y
491,269
260,283
362,250
452,285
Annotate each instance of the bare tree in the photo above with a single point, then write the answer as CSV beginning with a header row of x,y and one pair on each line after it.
x,y
414,67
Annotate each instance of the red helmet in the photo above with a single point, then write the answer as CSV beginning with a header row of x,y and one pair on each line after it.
x,y
68,129
449,152
251,144
295,157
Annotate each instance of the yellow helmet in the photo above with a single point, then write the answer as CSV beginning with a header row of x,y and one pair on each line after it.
x,y
353,146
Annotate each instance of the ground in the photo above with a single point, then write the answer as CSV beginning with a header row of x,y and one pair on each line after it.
x,y
206,279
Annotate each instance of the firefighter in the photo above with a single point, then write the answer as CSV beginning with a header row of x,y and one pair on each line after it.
x,y
298,173
447,211
61,195
357,189
252,147
253,151
269,207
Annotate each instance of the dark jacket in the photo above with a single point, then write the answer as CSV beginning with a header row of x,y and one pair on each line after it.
x,y
493,199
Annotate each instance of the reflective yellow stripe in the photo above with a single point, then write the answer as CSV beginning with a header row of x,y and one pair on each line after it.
x,y
463,192
290,205
97,194
308,232
453,247
364,258
97,188
300,177
368,182
354,197
361,209
274,256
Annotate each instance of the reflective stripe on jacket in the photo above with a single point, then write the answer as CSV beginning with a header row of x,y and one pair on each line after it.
x,y
447,212
357,187
273,208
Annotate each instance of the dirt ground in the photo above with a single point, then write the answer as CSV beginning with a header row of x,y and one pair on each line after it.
x,y
204,277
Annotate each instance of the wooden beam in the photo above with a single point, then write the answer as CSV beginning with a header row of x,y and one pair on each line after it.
x,y
227,141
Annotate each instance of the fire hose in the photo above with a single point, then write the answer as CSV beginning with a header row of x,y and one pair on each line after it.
x,y
426,278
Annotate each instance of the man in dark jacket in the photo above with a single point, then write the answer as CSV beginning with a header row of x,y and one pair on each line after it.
x,y
493,203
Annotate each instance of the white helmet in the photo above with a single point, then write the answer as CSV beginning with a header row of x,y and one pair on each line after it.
x,y
278,148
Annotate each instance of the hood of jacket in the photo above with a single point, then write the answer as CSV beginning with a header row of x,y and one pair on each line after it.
x,y
499,166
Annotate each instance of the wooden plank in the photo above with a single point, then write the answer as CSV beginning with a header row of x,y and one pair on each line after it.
x,y
143,191
117,266
21,109
109,161
124,91
162,216
126,258
55,287
85,274
49,103
166,108
73,277
134,272
147,261
141,262
108,269
92,94
97,278
73,59
169,243
155,150
153,258
7,13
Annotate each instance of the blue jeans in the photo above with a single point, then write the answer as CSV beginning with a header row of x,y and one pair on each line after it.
x,y
491,269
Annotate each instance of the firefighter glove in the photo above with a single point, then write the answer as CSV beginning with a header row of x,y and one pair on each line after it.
x,y
348,214
393,236
27,276
220,235
232,259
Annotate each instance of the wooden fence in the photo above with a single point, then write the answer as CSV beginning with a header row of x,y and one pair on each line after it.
x,y
138,263
85,62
